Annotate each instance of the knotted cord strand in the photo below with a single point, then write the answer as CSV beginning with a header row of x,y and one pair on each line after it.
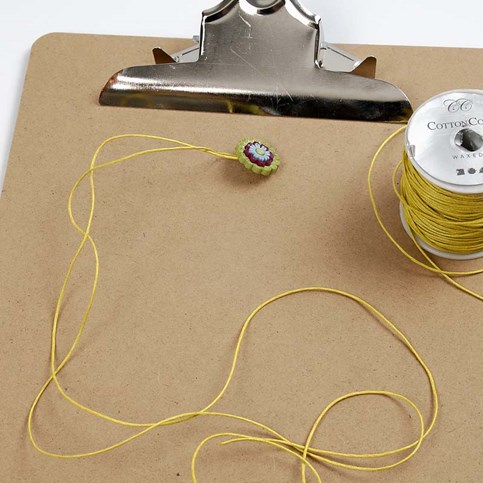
x,y
303,452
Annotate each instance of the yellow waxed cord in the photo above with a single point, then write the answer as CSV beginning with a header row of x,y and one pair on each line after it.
x,y
447,221
304,453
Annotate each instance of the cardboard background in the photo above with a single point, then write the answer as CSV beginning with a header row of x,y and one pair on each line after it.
x,y
189,246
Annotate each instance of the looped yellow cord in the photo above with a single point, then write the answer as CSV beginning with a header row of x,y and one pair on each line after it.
x,y
303,452
432,266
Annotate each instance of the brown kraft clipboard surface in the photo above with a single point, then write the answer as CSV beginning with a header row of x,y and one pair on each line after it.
x,y
189,245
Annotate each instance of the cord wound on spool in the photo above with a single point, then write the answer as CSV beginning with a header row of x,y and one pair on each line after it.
x,y
441,187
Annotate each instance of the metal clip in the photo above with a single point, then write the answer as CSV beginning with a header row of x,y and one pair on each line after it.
x,y
264,57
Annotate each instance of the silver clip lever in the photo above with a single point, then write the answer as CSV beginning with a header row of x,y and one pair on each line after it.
x,y
264,57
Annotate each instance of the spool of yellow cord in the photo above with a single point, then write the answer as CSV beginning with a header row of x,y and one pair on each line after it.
x,y
441,188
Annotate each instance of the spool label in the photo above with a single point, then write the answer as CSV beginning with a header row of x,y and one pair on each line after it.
x,y
444,140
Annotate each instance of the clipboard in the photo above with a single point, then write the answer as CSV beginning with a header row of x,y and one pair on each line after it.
x,y
189,246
